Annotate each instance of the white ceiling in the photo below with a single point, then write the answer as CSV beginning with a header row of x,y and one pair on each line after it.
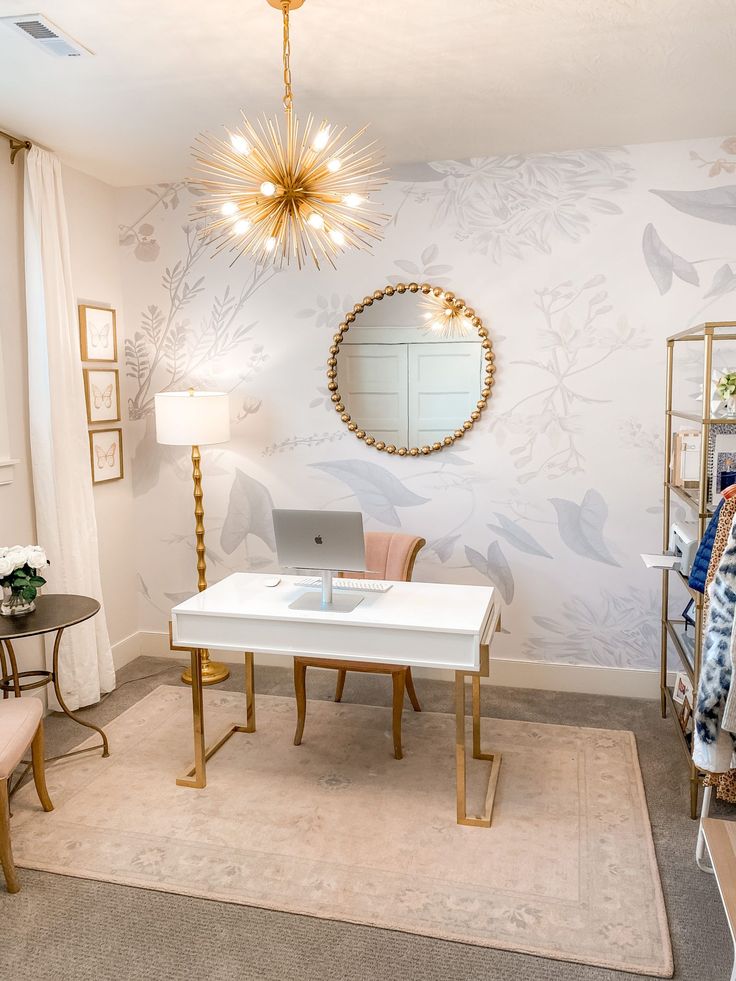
x,y
436,79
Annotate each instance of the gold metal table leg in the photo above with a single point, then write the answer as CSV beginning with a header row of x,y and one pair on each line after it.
x,y
196,775
482,820
60,698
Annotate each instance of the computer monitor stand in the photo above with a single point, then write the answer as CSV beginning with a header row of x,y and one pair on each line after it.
x,y
326,601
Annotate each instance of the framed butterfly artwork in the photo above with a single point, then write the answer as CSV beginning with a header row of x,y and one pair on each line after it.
x,y
97,333
102,394
106,455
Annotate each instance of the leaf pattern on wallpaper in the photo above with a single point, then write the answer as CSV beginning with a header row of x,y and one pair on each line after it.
x,y
611,629
581,526
724,281
711,203
443,547
169,352
427,270
378,491
519,537
495,567
248,513
720,164
663,263
577,337
506,206
327,311
140,233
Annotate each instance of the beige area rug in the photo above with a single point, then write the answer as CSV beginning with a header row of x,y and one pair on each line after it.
x,y
337,828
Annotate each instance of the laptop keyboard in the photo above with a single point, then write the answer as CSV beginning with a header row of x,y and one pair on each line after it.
x,y
362,585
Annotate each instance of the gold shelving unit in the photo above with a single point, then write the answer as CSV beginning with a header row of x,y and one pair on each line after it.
x,y
697,500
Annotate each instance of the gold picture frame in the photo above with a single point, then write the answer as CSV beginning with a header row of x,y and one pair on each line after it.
x,y
106,461
102,395
98,334
456,308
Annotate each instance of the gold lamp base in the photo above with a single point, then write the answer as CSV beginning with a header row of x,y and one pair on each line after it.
x,y
213,672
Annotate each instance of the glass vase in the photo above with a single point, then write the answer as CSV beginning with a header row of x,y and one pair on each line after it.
x,y
14,605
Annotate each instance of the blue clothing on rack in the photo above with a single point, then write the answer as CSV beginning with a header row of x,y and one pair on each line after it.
x,y
699,570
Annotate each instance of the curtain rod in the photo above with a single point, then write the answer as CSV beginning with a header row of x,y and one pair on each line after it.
x,y
16,145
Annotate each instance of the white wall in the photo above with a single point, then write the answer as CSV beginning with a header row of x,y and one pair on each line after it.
x,y
578,266
91,212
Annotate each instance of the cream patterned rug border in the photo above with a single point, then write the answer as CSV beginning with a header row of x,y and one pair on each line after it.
x,y
36,835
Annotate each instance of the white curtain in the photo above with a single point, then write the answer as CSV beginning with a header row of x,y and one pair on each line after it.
x,y
62,484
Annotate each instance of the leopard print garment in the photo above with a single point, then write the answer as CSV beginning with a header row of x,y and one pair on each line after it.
x,y
713,747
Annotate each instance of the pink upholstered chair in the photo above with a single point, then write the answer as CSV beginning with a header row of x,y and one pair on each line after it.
x,y
389,556
21,726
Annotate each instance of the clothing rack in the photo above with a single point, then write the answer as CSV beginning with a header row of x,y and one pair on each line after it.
x,y
698,500
17,144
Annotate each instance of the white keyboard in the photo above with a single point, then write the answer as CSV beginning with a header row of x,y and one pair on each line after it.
x,y
364,585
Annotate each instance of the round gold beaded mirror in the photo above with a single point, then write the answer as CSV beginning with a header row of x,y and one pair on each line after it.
x,y
410,369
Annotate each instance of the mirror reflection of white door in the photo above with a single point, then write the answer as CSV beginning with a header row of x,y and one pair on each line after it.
x,y
374,390
443,389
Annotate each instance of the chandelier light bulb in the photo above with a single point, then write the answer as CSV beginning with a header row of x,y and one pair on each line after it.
x,y
337,236
316,220
321,139
334,165
270,244
268,189
240,144
352,200
229,209
242,226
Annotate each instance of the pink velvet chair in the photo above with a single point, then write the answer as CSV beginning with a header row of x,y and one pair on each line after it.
x,y
21,726
389,556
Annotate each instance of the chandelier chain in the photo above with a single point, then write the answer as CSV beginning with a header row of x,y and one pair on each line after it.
x,y
286,52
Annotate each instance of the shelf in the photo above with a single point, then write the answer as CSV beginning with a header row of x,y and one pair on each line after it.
x,y
697,333
685,738
698,597
701,420
691,496
679,645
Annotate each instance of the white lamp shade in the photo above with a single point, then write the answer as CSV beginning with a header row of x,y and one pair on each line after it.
x,y
192,418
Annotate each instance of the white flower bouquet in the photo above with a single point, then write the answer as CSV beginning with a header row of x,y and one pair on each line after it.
x,y
20,566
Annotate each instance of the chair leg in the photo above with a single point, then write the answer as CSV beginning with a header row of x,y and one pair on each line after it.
x,y
39,769
300,690
340,687
399,681
6,855
410,691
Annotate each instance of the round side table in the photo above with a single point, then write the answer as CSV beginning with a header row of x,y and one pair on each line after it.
x,y
54,612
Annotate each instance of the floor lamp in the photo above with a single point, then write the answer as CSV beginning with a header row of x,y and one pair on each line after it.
x,y
195,419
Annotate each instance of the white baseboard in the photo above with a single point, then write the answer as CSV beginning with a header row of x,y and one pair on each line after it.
x,y
541,675
127,650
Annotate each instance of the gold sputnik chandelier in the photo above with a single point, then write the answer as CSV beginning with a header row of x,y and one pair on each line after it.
x,y
444,316
300,195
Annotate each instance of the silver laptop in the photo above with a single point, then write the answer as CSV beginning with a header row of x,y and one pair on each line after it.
x,y
329,541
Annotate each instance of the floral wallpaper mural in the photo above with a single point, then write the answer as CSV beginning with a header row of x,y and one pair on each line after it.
x,y
579,263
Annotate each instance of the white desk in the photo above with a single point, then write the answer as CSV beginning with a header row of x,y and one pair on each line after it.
x,y
419,624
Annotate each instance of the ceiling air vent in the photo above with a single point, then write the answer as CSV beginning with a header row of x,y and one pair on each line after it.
x,y
46,35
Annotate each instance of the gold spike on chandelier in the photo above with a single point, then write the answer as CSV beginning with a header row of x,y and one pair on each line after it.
x,y
299,196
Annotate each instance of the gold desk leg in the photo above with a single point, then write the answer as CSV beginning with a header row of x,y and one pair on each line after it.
x,y
196,775
483,820
250,693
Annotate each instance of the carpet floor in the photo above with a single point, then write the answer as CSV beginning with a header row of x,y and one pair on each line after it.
x,y
60,927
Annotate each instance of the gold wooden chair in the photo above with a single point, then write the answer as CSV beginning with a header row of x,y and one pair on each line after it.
x,y
21,726
389,556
